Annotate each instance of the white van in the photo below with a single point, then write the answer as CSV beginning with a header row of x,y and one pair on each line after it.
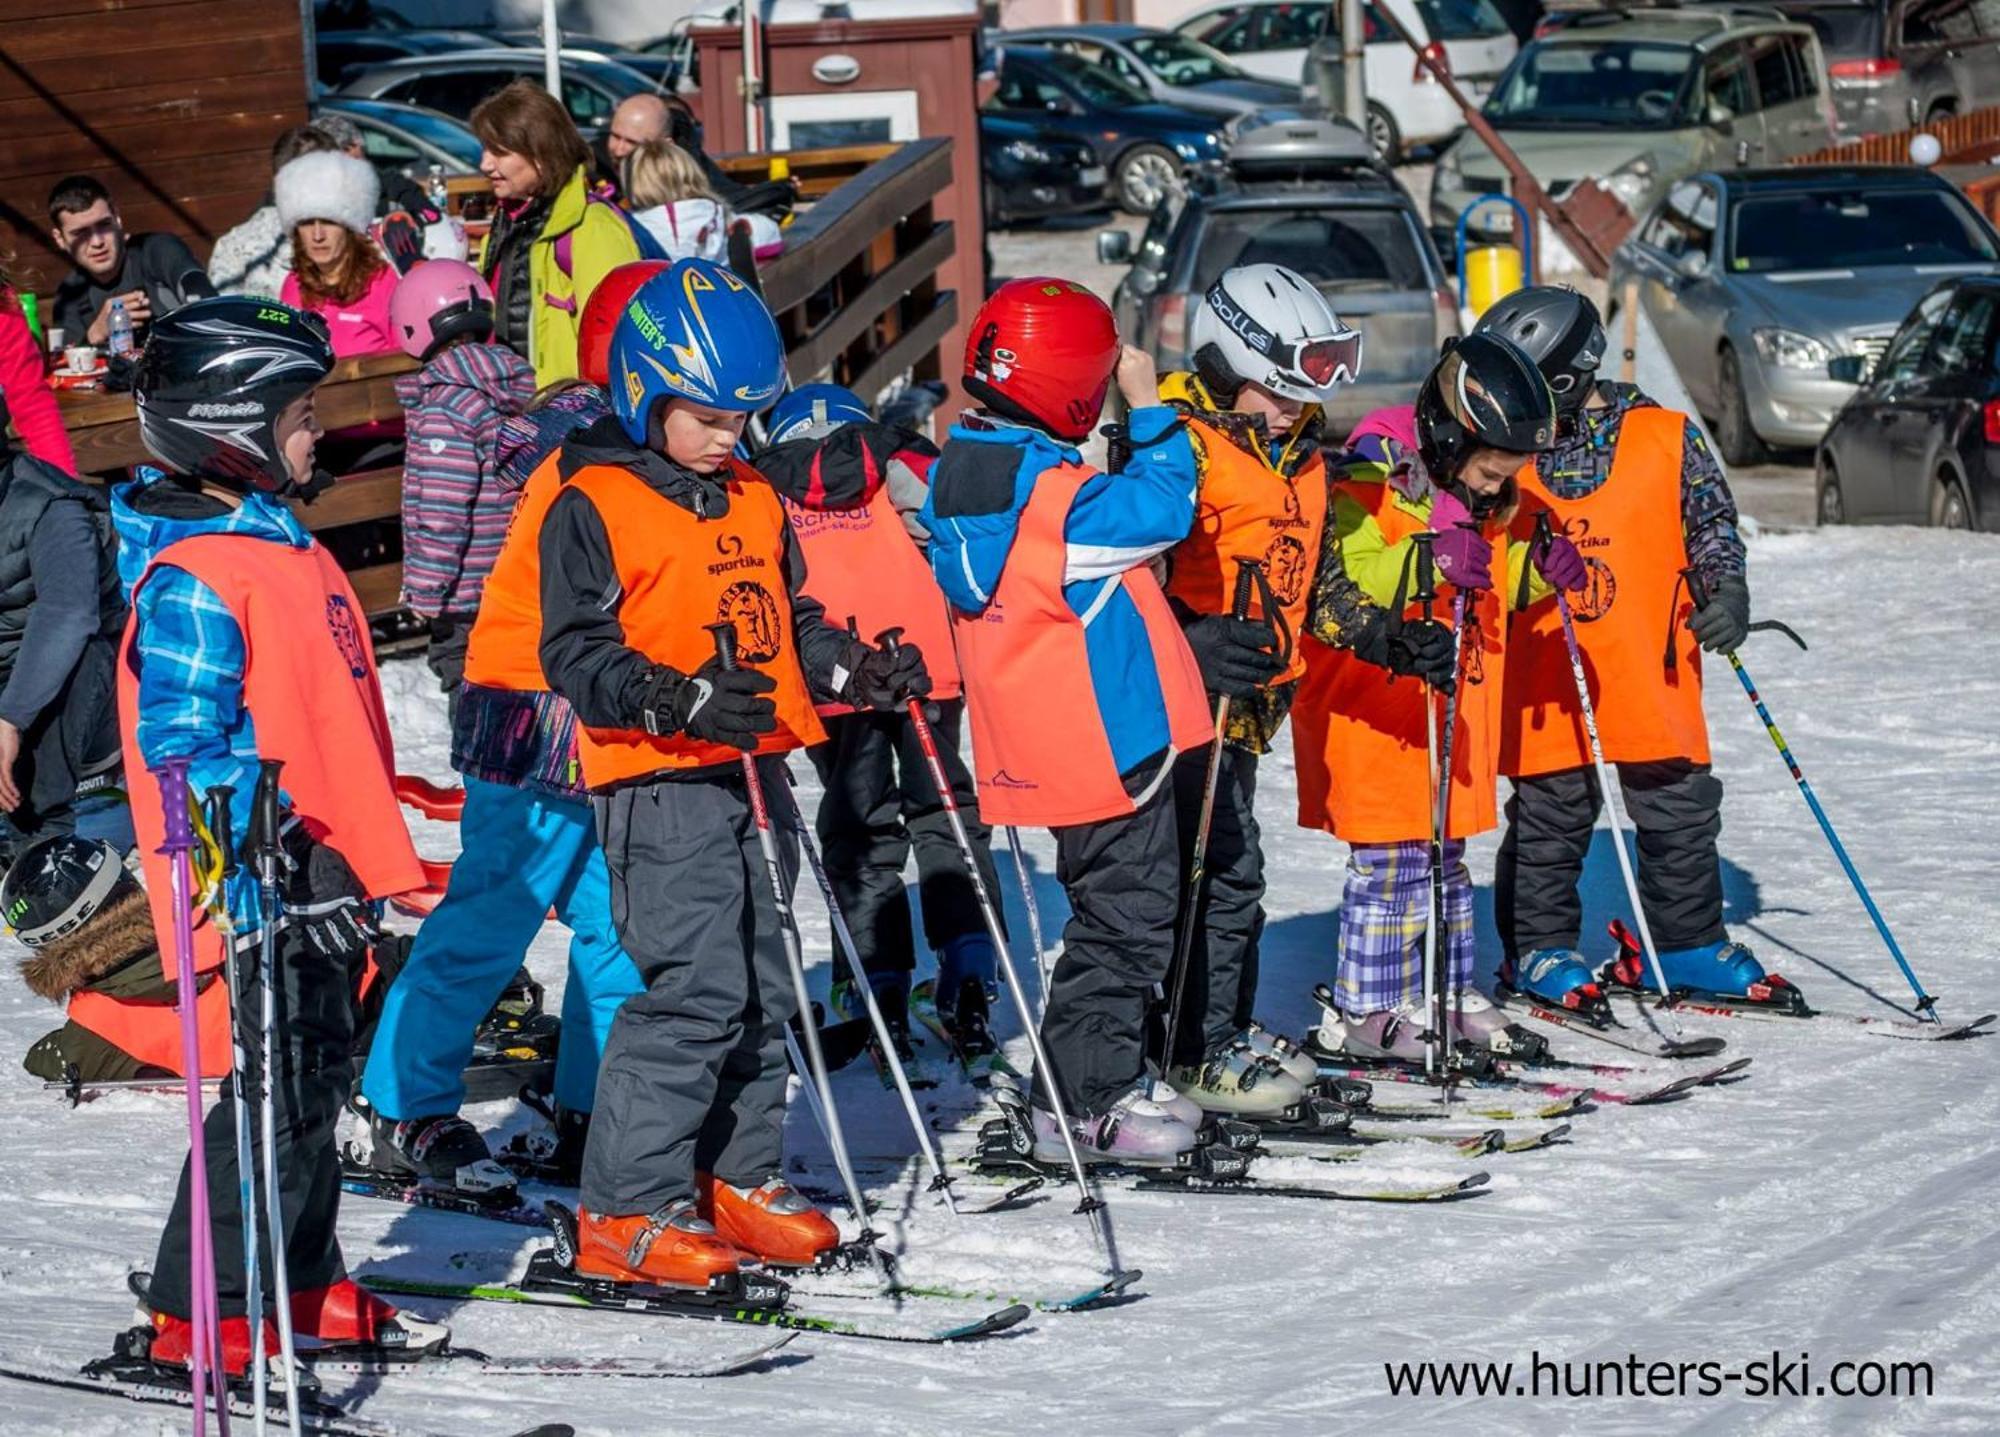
x,y
1274,38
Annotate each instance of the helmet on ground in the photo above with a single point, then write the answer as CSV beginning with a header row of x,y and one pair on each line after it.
x,y
438,301
814,411
695,332
57,885
1484,393
213,379
1265,325
1557,328
1043,351
600,317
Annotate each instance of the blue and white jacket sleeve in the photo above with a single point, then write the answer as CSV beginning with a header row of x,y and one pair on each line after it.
x,y
191,663
1120,520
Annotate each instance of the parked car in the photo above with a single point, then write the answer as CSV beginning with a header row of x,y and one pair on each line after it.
x,y
1031,172
1756,279
1309,194
1143,145
1642,99
338,54
455,83
1898,65
407,137
1919,442
661,69
1277,38
1168,66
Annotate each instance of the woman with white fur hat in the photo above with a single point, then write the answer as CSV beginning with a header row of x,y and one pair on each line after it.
x,y
326,202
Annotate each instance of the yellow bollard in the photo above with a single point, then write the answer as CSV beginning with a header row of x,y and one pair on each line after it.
x,y
1491,273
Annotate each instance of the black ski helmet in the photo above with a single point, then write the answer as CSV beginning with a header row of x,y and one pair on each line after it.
x,y
1484,392
213,379
1557,328
57,884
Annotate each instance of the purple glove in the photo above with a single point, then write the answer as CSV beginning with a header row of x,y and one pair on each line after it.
x,y
1464,558
1560,563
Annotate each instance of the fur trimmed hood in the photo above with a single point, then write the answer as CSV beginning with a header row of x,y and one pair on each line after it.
x,y
327,185
116,934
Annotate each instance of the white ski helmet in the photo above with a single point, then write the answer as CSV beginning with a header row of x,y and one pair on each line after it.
x,y
1264,324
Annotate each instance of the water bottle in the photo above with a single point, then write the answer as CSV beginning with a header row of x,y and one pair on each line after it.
x,y
440,198
120,331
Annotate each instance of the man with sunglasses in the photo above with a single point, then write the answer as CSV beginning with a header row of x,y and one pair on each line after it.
x,y
1637,490
1268,354
151,274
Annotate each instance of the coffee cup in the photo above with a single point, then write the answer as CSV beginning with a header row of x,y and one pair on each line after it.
x,y
81,358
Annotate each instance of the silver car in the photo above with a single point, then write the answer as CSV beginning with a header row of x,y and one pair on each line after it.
x,y
1756,279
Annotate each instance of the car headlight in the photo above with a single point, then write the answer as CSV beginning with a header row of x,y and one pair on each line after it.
x,y
1788,349
1187,150
1632,179
1027,152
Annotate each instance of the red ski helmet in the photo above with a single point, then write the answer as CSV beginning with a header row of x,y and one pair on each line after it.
x,y
600,317
1043,350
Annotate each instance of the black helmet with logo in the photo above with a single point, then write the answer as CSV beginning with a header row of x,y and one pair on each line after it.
x,y
1483,393
57,884
1557,328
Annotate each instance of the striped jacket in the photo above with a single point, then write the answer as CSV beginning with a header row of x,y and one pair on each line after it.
x,y
456,502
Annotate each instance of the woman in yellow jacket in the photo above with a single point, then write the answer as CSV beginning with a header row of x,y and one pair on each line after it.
x,y
552,240
1363,767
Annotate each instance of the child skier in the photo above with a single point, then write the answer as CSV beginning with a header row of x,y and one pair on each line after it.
x,y
653,539
455,504
1638,486
246,643
530,844
839,472
1361,742
1080,688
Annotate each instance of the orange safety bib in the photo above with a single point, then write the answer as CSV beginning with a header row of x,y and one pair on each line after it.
x,y
1247,510
678,572
504,649
1359,736
1629,532
861,563
151,1032
310,688
1038,740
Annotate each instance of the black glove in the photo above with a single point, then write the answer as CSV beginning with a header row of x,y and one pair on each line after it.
x,y
886,679
402,241
323,900
1419,648
1721,624
1237,657
717,705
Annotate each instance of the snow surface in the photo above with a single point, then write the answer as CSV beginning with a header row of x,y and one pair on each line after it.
x,y
1840,1202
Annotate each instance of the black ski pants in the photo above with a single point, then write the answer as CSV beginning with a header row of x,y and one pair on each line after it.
x,y
313,1048
1222,973
1120,876
880,804
1676,807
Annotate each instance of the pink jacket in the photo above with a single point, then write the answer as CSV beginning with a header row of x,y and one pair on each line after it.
x,y
24,387
358,328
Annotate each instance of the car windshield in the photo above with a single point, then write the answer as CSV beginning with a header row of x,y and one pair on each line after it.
x,y
1099,87
438,130
1854,229
1181,61
1614,84
1845,29
1462,19
1343,250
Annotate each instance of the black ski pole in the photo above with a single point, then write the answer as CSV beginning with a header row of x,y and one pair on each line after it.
x,y
267,854
1426,596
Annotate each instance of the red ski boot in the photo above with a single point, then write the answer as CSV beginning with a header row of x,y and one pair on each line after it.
x,y
675,1247
173,1342
345,1314
772,1222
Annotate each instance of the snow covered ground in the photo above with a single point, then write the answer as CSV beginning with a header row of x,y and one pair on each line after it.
x,y
1839,1203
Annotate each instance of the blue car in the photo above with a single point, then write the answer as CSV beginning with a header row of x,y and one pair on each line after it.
x,y
1144,146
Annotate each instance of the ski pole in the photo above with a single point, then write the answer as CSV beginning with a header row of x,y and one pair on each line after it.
x,y
1926,1004
221,826
205,1374
939,1181
1197,876
267,853
1426,595
1034,909
1089,1203
725,652
1441,817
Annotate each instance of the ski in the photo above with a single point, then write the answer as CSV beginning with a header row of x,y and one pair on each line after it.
x,y
1475,1107
1727,1005
548,1284
1195,1183
376,1364
1651,1045
430,799
1363,1143
1520,1080
1112,1292
161,1387
1496,1140
413,1192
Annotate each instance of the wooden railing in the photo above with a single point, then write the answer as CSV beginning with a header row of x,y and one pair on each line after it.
x,y
1962,139
855,293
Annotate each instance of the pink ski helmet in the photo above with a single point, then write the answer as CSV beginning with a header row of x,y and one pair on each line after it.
x,y
437,301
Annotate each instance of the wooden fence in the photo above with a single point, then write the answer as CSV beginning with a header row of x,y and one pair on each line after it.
x,y
1963,139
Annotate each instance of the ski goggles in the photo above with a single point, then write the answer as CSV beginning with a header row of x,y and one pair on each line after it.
x,y
1323,359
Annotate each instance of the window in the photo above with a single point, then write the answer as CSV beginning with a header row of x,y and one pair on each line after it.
x,y
1986,17
1961,342
1228,31
1805,67
1609,83
1022,88
1181,61
1775,83
1335,250
589,106
1685,224
1906,350
1854,229
1939,22
1725,76
384,148
1290,27
455,92
1462,19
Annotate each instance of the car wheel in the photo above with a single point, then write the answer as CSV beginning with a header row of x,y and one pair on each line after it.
x,y
1948,507
1733,432
1383,136
1941,110
996,213
1832,504
1145,174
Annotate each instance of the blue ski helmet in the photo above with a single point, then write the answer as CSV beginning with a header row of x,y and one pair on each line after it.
x,y
814,411
696,332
